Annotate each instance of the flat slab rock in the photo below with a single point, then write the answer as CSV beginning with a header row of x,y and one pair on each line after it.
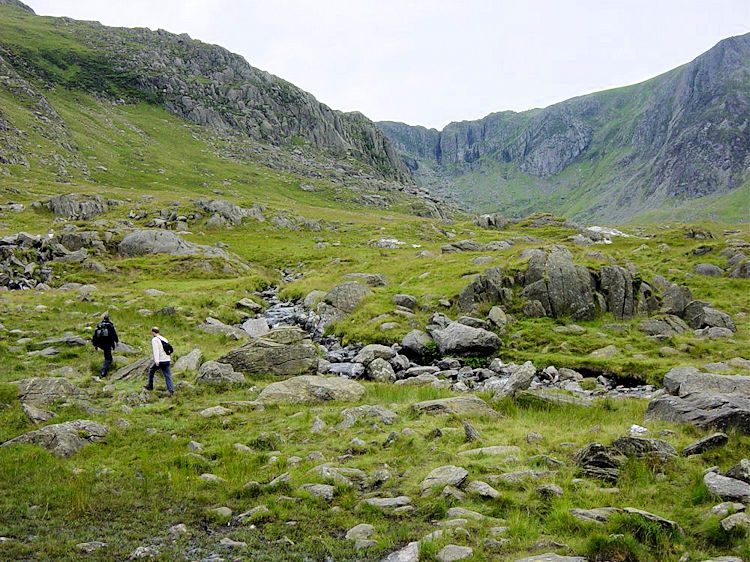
x,y
715,411
40,391
682,381
727,488
444,476
309,389
63,439
458,406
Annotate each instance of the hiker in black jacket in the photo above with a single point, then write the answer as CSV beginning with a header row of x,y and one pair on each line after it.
x,y
105,338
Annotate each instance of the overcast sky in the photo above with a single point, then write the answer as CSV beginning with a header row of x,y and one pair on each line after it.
x,y
429,62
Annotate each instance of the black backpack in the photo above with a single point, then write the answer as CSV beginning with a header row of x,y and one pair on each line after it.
x,y
101,334
167,347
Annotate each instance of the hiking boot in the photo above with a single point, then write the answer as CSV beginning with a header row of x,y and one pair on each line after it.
x,y
147,387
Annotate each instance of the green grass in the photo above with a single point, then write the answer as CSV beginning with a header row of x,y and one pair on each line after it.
x,y
130,489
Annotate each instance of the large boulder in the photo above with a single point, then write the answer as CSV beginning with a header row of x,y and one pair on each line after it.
x,y
675,298
143,242
442,476
699,314
520,379
487,287
617,285
190,362
415,343
311,389
664,327
707,411
346,296
562,288
374,351
78,206
213,372
63,439
456,406
39,391
286,351
231,213
689,380
727,488
461,339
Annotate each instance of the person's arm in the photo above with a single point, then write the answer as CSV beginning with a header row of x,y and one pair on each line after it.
x,y
114,335
155,343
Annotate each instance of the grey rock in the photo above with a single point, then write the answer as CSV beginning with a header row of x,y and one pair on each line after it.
x,y
410,553
256,327
666,326
617,285
444,476
381,371
493,450
736,521
407,301
374,351
710,442
461,339
322,491
689,380
388,503
740,471
415,343
64,439
489,287
361,531
459,406
217,327
353,415
596,515
188,363
36,415
520,379
311,389
482,489
727,488
675,298
708,269
346,296
715,411
562,288
665,523
640,447
452,552
215,412
78,206
214,372
598,461
284,351
40,391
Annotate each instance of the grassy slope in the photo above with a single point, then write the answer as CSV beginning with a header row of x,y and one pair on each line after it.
x,y
151,483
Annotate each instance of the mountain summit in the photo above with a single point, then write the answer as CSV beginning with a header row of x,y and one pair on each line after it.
x,y
677,138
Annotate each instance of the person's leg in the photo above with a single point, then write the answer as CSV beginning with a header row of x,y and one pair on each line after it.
x,y
166,368
151,371
107,362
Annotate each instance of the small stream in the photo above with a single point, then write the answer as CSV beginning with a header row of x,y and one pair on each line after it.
x,y
340,359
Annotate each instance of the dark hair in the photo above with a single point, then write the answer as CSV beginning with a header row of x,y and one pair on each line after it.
x,y
155,330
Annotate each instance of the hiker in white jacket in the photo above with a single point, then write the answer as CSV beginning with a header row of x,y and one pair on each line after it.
x,y
162,361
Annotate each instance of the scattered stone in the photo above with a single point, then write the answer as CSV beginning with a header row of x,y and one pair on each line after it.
x,y
711,442
458,406
89,547
212,478
229,543
740,471
143,552
361,531
322,491
482,489
44,391
213,372
452,552
215,411
36,415
736,521
444,475
495,450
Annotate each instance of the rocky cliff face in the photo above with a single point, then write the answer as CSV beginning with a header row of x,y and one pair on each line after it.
x,y
209,86
680,136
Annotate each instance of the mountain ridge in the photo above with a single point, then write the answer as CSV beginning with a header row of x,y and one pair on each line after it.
x,y
654,127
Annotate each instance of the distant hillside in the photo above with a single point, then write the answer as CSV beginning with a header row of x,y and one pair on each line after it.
x,y
202,83
676,146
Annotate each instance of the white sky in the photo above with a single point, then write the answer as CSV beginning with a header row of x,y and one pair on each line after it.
x,y
429,62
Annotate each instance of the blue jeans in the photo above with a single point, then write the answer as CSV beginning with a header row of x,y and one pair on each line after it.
x,y
165,367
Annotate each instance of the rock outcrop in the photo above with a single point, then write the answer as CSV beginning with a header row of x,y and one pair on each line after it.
x,y
283,351
64,439
311,389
